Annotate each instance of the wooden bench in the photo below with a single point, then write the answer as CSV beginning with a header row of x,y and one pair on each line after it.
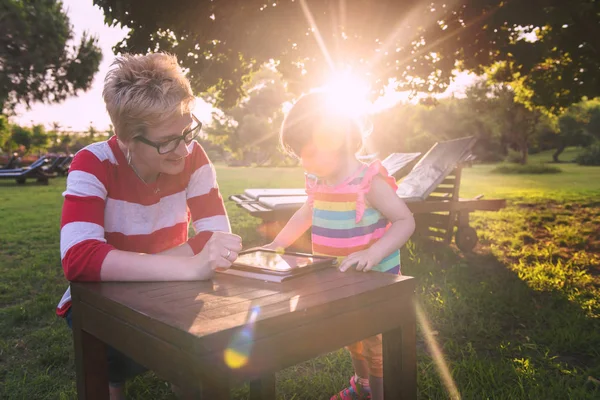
x,y
35,171
430,189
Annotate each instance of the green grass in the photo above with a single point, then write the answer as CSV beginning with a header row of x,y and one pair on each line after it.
x,y
573,183
517,319
527,169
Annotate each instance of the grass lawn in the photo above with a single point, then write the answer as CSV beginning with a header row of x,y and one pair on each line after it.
x,y
517,319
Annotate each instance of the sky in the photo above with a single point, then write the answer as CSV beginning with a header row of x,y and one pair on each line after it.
x,y
77,112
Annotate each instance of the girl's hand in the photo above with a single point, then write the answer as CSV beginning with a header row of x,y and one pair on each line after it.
x,y
273,247
364,260
269,246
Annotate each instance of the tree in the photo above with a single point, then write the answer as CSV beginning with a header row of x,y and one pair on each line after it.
x,y
251,128
56,126
39,138
579,125
5,133
54,136
111,130
91,131
417,44
593,123
39,61
66,142
519,124
21,137
489,112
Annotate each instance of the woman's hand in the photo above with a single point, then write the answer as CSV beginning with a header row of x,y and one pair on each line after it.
x,y
220,252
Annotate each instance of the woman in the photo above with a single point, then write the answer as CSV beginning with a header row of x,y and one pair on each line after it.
x,y
129,200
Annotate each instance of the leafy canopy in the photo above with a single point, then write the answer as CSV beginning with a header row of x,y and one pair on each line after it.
x,y
416,44
38,59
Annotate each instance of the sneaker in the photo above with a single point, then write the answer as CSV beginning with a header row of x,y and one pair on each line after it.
x,y
354,392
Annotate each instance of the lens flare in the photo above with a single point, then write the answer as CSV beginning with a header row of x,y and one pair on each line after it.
x,y
237,354
437,355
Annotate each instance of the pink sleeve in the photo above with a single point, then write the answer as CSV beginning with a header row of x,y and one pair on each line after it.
x,y
374,169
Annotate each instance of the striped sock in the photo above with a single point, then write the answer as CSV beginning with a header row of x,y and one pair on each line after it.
x,y
363,382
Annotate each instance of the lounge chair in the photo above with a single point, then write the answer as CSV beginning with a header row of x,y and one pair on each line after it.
x,y
63,168
396,165
35,171
52,168
430,190
11,164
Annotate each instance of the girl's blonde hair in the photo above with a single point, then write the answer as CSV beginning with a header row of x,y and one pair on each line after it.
x,y
145,90
313,113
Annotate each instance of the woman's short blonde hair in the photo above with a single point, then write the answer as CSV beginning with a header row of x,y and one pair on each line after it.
x,y
145,90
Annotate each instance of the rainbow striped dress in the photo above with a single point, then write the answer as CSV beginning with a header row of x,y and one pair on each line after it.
x,y
342,221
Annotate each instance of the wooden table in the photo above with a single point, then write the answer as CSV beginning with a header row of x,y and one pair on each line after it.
x,y
186,331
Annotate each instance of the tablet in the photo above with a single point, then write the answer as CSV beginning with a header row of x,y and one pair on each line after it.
x,y
272,262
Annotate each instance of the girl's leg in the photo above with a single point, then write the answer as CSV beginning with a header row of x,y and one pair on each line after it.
x,y
359,383
361,368
374,357
359,362
116,392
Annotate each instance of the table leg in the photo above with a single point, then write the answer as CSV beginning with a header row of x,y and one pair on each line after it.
x,y
90,362
400,362
215,389
263,389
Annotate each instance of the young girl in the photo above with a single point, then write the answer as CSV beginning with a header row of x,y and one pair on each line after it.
x,y
352,208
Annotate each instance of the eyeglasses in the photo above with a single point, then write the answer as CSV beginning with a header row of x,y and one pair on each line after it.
x,y
172,144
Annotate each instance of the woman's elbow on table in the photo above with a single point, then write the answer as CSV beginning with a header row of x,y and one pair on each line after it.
x,y
83,261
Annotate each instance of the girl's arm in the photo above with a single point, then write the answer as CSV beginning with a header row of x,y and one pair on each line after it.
x,y
384,199
296,226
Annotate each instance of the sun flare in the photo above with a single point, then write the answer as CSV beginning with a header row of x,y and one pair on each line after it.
x,y
349,94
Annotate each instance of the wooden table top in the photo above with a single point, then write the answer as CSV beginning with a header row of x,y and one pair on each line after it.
x,y
202,315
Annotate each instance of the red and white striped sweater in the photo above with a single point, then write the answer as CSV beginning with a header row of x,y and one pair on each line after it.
x,y
108,207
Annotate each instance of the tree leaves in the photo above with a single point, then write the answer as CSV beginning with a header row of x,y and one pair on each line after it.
x,y
417,44
38,61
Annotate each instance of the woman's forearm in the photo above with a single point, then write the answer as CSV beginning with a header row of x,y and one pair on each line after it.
x,y
121,265
183,250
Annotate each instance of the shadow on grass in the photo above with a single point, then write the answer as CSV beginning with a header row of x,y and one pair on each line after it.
x,y
500,338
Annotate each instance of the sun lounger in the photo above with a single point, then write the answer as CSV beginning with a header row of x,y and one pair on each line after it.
x,y
63,168
431,191
54,165
35,171
11,164
433,168
395,164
